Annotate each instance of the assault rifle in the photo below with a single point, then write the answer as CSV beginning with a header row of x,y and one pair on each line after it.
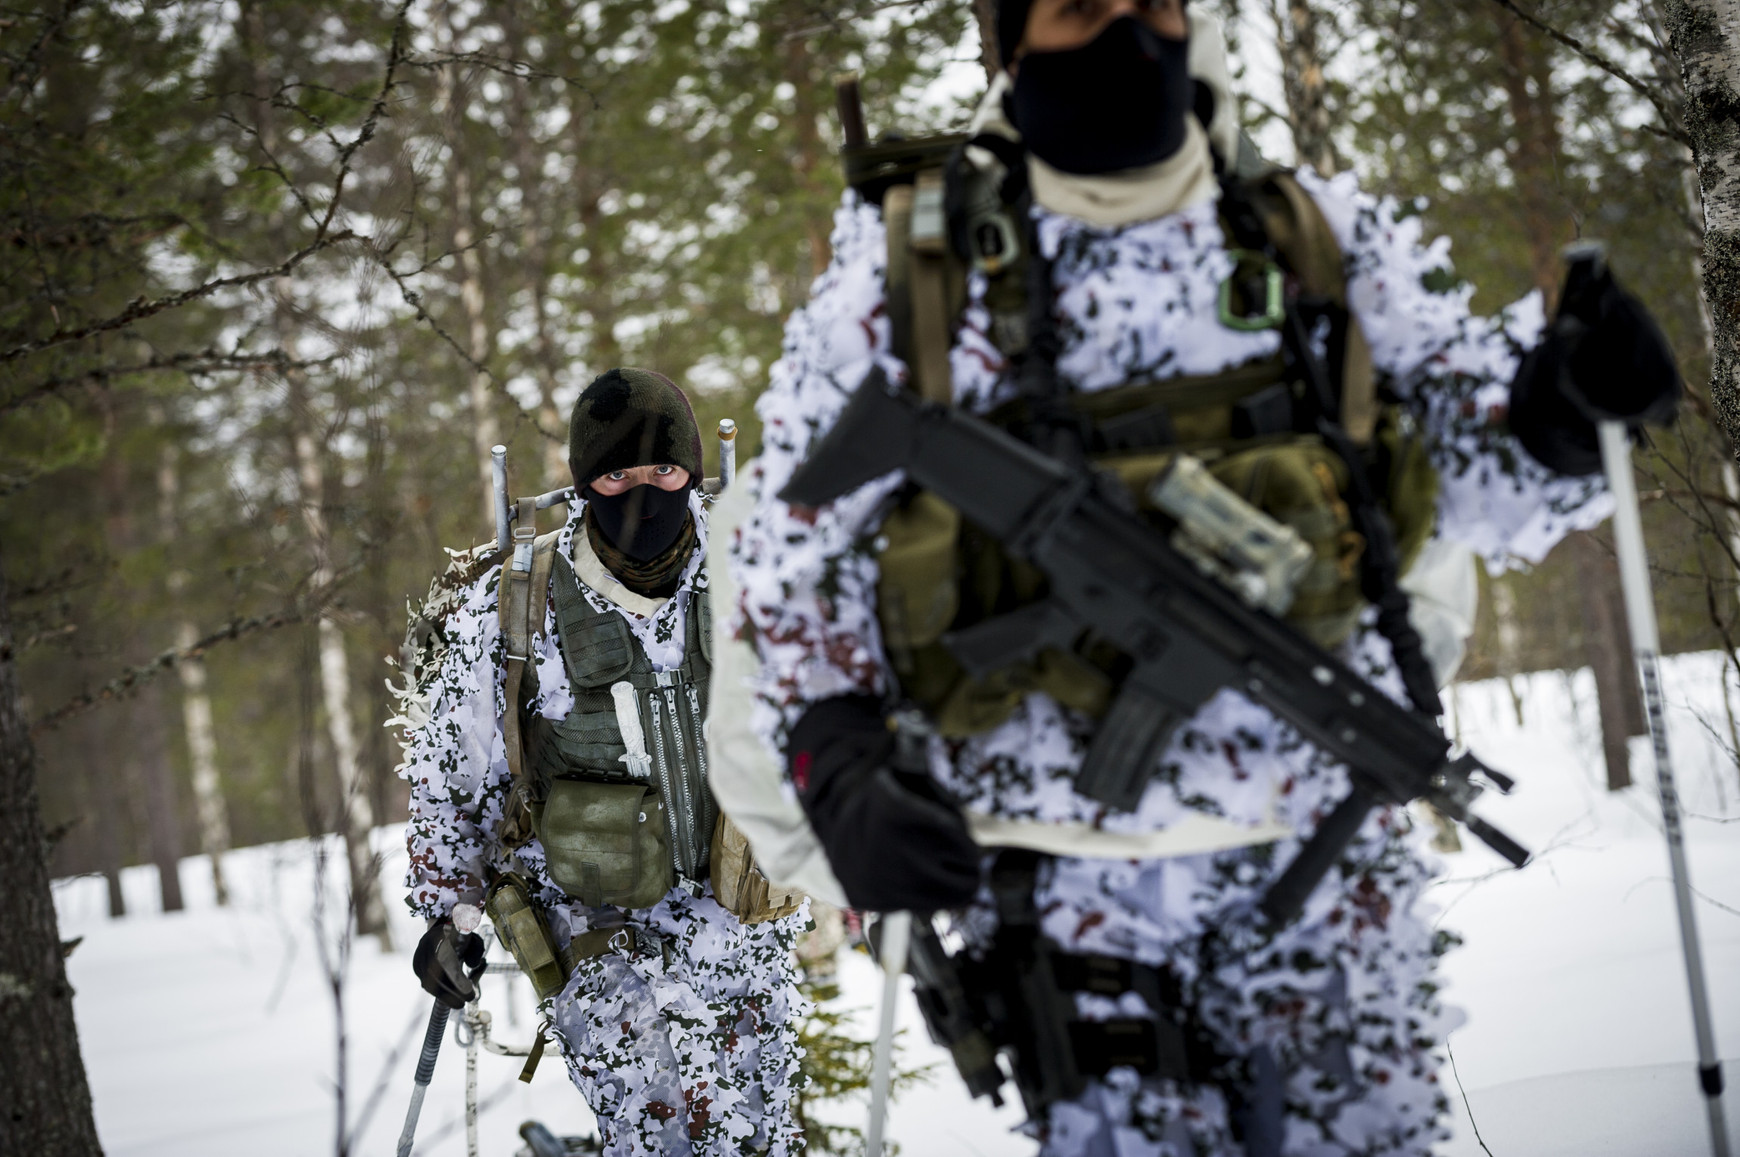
x,y
1113,573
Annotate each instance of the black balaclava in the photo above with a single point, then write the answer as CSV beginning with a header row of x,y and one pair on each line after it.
x,y
629,417
1118,102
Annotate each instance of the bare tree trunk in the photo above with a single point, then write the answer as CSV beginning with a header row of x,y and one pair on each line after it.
x,y
534,258
1607,645
355,813
485,432
45,1099
1705,37
1298,29
214,823
1504,613
148,752
1535,149
150,747
100,790
356,816
799,70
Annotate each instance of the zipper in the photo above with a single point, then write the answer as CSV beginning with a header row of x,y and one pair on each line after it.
x,y
706,790
682,776
679,837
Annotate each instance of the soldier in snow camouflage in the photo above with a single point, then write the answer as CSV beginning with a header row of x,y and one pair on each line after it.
x,y
677,1020
1114,123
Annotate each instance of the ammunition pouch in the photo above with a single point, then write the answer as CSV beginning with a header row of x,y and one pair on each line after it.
x,y
522,929
739,885
606,842
1018,1000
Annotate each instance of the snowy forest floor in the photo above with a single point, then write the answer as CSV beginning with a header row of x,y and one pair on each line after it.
x,y
211,1032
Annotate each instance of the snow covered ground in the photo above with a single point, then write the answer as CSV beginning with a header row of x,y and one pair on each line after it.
x,y
212,1032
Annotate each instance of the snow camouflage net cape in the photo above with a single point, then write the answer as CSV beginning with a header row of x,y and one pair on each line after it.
x,y
1346,998
689,1050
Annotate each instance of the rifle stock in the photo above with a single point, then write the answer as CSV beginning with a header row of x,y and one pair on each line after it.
x,y
1112,573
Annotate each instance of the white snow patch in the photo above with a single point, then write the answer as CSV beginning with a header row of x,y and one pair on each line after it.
x,y
211,1031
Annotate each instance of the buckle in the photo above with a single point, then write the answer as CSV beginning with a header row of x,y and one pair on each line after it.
x,y
1274,307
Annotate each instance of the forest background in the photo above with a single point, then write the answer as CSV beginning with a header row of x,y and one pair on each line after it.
x,y
277,275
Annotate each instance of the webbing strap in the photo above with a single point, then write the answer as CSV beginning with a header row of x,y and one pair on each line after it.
x,y
526,570
1295,225
932,319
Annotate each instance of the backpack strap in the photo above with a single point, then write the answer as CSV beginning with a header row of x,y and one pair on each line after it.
x,y
527,570
925,282
1302,236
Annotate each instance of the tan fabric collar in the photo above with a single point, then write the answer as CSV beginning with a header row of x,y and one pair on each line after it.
x,y
1111,200
593,573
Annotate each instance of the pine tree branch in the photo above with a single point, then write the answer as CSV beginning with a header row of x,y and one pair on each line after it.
x,y
414,299
132,679
193,364
1669,120
141,308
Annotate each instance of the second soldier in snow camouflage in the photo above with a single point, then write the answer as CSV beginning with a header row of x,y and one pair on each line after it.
x,y
559,780
1103,272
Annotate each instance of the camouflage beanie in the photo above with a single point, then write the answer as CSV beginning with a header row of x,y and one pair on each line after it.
x,y
629,417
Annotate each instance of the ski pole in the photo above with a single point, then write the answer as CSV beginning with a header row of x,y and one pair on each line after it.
x,y
1646,648
896,937
425,1070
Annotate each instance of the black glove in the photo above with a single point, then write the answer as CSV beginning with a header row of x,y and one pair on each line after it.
x,y
1603,358
448,962
894,841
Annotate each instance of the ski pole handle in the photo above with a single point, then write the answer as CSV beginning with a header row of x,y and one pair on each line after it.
x,y
425,1070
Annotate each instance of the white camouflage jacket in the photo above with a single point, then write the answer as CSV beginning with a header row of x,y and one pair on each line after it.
x,y
1139,303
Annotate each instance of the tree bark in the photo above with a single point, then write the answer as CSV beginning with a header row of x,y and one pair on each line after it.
x,y
149,744
147,755
1298,28
45,1098
1705,37
1535,149
214,823
1607,646
1504,614
799,72
985,15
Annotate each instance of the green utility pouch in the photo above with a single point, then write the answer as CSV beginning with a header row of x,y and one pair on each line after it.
x,y
520,925
606,843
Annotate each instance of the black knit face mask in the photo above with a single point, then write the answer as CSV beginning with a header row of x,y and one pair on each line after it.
x,y
643,520
1118,102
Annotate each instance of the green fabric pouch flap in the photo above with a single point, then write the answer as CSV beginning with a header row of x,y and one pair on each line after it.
x,y
607,843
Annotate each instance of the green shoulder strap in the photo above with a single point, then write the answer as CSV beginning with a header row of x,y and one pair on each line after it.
x,y
527,570
1300,232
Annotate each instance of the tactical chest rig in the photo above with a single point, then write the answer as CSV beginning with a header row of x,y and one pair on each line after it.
x,y
1304,436
621,817
617,789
